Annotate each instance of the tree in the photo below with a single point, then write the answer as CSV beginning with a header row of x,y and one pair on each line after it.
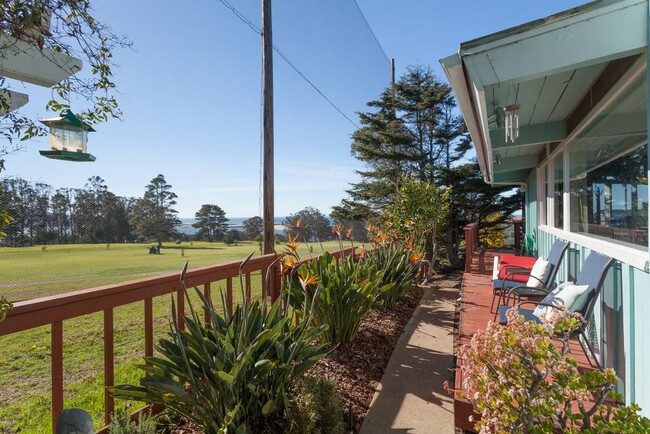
x,y
153,216
425,206
414,130
211,221
253,228
479,201
67,27
314,225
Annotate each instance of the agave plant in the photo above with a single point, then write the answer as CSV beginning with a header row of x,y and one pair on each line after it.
x,y
233,374
335,292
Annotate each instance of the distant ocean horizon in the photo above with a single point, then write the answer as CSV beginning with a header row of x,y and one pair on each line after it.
x,y
233,222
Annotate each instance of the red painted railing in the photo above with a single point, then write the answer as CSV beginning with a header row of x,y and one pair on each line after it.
x,y
55,309
471,243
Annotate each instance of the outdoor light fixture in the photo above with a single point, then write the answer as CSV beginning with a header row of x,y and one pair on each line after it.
x,y
68,138
511,122
497,159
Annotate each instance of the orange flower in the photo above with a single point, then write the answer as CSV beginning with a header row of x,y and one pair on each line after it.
x,y
298,222
348,234
362,253
416,256
306,279
408,224
292,245
393,233
408,245
289,261
338,229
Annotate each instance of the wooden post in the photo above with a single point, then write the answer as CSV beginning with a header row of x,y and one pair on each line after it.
x,y
267,72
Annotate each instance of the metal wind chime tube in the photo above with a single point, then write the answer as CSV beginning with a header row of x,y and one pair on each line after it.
x,y
512,123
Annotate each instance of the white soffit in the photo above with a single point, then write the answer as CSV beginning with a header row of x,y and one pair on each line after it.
x,y
23,61
14,100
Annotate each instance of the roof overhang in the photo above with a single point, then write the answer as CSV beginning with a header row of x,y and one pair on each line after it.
x,y
546,66
24,61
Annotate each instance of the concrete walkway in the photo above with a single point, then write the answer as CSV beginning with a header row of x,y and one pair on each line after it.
x,y
411,397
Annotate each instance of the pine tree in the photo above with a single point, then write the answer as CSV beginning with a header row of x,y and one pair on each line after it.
x,y
211,221
414,129
153,216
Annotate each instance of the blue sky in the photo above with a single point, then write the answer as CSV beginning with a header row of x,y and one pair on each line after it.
x,y
190,92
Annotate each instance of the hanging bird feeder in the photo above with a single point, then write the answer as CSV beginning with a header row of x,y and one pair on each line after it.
x,y
68,138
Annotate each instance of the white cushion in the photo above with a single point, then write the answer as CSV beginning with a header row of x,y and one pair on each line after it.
x,y
540,271
495,268
568,294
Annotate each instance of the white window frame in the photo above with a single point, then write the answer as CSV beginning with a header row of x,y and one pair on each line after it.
x,y
635,257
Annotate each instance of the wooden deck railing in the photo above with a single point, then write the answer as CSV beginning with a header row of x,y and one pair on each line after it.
x,y
471,242
55,309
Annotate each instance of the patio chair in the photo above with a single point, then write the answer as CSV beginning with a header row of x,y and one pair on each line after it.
x,y
522,278
592,276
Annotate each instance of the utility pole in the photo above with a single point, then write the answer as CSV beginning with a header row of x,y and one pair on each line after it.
x,y
267,90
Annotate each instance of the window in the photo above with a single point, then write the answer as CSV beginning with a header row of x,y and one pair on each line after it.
x,y
609,194
558,190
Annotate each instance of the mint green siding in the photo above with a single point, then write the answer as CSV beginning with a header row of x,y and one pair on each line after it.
x,y
622,323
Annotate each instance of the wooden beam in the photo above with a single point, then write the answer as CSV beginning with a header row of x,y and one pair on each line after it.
x,y
514,177
530,135
607,79
267,72
516,163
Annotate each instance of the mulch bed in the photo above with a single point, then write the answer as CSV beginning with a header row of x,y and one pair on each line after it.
x,y
357,368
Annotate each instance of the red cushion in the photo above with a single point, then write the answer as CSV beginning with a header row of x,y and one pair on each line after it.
x,y
507,261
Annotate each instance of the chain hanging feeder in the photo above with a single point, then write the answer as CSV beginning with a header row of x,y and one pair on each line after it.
x,y
68,138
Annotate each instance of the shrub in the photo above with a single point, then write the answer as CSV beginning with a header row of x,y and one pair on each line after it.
x,y
520,382
5,307
232,374
336,292
316,408
398,271
121,423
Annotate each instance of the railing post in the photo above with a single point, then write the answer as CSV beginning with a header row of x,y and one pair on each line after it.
x,y
109,365
229,296
469,247
517,236
208,296
148,327
57,372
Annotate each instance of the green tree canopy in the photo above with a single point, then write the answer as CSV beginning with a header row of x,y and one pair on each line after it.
x,y
314,225
414,129
253,228
211,221
153,216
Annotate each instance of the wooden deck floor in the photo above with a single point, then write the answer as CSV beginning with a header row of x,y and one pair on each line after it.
x,y
476,298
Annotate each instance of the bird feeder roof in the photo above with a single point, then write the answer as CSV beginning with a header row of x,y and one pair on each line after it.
x,y
67,118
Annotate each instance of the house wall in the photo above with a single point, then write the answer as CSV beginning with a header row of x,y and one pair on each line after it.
x,y
621,321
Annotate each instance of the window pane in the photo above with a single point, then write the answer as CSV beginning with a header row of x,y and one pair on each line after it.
x,y
558,189
611,201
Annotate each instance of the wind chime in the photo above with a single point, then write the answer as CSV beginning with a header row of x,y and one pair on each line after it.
x,y
512,122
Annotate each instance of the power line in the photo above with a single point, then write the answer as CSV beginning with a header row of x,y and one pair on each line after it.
x,y
371,31
284,57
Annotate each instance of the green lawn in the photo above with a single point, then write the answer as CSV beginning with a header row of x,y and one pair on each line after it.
x,y
25,363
